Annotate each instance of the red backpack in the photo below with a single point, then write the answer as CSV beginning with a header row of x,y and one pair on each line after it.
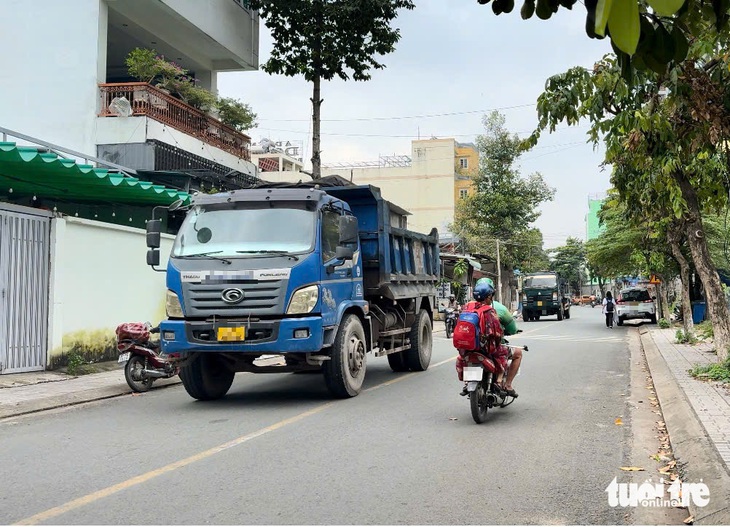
x,y
476,324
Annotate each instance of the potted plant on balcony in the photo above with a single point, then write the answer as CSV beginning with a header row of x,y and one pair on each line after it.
x,y
147,66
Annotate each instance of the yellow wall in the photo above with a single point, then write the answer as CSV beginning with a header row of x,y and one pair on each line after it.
x,y
423,189
471,155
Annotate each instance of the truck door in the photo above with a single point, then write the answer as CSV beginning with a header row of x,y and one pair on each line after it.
x,y
337,281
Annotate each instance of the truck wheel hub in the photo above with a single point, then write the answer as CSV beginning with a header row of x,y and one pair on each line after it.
x,y
355,355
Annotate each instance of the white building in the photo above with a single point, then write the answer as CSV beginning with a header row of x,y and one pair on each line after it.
x,y
70,274
67,64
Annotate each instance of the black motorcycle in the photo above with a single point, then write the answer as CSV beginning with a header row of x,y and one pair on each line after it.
x,y
450,321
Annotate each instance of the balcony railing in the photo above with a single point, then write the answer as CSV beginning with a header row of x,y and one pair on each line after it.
x,y
146,100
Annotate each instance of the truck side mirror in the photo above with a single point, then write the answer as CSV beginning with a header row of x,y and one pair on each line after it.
x,y
348,230
344,253
153,233
153,257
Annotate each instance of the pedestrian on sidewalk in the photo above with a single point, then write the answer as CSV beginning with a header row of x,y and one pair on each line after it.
x,y
608,309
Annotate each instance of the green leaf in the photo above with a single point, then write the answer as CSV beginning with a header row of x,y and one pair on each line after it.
x,y
624,25
543,9
681,46
603,10
666,7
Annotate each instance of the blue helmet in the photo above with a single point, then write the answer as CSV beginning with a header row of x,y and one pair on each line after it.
x,y
482,291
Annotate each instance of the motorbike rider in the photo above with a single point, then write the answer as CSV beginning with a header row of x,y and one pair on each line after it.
x,y
453,304
485,288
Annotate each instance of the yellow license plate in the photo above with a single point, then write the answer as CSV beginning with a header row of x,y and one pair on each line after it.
x,y
539,304
235,334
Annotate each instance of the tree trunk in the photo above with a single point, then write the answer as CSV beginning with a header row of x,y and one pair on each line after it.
x,y
602,286
714,296
316,107
674,237
666,312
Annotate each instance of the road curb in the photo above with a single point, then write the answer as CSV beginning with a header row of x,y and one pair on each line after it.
x,y
696,455
75,398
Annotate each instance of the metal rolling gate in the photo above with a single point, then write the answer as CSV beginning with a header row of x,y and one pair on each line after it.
x,y
24,276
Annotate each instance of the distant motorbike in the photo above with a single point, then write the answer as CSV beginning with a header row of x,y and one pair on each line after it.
x,y
450,321
144,363
593,303
480,370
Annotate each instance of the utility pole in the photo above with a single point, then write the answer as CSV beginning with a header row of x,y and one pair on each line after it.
x,y
499,276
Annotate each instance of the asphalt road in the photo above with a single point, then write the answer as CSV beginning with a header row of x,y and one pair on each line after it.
x,y
278,450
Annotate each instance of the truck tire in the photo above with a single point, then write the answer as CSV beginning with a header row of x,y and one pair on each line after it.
x,y
560,313
207,377
419,356
344,373
397,362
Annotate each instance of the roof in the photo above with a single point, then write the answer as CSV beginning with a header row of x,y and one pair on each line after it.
x,y
31,171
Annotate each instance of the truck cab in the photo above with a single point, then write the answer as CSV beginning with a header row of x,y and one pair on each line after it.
x,y
544,294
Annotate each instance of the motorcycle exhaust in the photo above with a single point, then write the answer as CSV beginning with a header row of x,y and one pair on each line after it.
x,y
155,373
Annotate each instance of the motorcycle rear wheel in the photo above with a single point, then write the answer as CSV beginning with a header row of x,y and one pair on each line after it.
x,y
478,400
134,367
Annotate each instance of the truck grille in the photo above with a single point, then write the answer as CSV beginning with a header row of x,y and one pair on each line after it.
x,y
259,298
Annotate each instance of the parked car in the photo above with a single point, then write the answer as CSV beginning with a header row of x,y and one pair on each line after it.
x,y
635,303
575,300
587,299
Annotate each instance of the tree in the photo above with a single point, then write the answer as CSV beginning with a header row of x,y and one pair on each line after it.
x,y
324,39
663,146
644,34
504,204
529,254
569,262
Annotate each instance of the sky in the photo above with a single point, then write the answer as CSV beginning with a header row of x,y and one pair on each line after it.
x,y
455,61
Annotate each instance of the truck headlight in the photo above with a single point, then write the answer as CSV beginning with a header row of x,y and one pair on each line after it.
x,y
303,300
173,306
555,296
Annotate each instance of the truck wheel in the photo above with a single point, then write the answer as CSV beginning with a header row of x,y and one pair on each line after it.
x,y
397,362
419,356
560,313
207,377
344,373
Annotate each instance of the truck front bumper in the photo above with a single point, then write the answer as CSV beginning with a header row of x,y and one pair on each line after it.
x,y
263,336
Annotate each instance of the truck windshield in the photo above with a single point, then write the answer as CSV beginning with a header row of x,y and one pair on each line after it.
x,y
246,230
540,281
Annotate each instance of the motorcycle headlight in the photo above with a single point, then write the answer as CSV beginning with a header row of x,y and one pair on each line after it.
x,y
303,300
173,306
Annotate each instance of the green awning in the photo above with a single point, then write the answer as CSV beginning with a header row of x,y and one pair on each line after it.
x,y
30,172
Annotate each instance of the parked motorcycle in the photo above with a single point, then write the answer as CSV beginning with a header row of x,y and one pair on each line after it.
x,y
144,363
450,321
480,370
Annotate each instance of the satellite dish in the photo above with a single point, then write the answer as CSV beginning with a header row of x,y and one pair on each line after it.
x,y
121,107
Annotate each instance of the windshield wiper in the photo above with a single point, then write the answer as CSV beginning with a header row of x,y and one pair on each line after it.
x,y
208,254
278,253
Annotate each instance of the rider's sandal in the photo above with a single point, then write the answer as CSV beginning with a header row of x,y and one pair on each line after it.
x,y
464,392
511,392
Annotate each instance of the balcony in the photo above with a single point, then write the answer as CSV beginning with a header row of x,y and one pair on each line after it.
x,y
151,102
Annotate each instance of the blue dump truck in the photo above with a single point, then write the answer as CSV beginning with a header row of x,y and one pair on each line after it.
x,y
319,276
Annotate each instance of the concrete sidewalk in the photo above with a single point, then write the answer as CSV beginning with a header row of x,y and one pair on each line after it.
x,y
697,417
25,393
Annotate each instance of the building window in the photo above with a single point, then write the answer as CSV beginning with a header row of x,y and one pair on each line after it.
x,y
464,162
463,192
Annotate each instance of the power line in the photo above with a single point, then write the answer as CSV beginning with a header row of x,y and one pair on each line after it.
x,y
422,116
